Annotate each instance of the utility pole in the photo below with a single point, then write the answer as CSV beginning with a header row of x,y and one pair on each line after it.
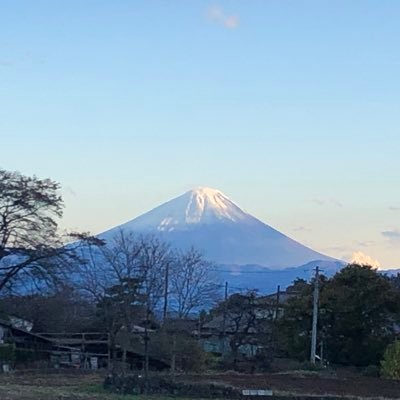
x,y
173,357
165,310
278,298
224,318
146,353
315,317
275,317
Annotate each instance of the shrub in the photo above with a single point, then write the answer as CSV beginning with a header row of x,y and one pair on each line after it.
x,y
10,354
391,361
372,371
213,361
25,356
263,360
7,353
163,385
190,357
309,366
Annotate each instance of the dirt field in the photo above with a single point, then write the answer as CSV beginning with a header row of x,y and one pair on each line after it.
x,y
312,384
63,386
78,386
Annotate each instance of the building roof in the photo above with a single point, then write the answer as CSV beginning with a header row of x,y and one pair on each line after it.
x,y
21,331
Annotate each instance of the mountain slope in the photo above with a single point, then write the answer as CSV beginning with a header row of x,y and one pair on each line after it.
x,y
208,220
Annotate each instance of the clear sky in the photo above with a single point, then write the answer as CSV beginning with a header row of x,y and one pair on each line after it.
x,y
290,107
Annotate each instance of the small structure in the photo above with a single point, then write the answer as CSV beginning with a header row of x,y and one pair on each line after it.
x,y
79,350
93,350
20,346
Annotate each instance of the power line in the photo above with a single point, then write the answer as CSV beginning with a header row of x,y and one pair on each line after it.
x,y
251,272
230,287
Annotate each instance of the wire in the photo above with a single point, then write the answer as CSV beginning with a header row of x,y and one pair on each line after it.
x,y
251,272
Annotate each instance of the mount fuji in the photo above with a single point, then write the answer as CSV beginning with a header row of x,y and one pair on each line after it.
x,y
225,234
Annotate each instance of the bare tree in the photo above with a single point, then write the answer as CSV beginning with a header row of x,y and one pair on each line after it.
x,y
243,319
111,276
148,262
109,265
192,282
155,258
126,255
30,244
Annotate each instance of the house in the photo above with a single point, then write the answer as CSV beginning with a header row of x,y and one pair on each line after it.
x,y
241,322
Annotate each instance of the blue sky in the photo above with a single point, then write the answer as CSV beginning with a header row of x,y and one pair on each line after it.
x,y
291,108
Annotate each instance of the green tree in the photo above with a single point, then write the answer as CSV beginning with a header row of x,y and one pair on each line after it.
x,y
357,312
121,308
122,305
294,329
395,281
391,361
359,308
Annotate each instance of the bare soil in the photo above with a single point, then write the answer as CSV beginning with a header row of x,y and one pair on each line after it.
x,y
303,383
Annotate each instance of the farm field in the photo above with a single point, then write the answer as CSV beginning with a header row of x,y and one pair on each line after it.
x,y
50,386
78,386
306,383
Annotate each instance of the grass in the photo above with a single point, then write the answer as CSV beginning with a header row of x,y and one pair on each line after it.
x,y
51,387
98,389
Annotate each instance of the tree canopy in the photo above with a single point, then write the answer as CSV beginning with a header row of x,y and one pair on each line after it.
x,y
360,307
358,310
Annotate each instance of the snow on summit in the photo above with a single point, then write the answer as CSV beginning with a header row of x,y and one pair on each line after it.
x,y
201,205
206,205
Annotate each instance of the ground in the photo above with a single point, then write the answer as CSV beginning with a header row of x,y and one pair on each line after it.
x,y
53,386
73,385
309,383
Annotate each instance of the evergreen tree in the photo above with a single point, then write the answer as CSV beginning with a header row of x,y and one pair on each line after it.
x,y
360,308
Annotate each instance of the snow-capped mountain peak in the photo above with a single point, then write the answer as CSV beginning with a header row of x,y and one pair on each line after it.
x,y
208,220
206,204
201,205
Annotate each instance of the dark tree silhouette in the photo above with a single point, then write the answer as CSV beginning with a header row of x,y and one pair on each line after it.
x,y
30,244
358,311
